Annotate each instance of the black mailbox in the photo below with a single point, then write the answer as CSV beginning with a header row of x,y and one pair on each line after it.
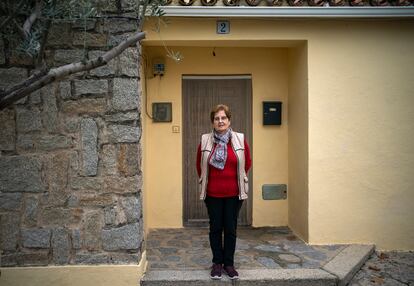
x,y
272,113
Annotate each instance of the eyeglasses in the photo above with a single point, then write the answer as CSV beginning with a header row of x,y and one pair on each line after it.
x,y
223,118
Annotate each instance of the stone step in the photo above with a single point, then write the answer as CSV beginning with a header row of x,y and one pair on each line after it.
x,y
251,277
339,271
348,262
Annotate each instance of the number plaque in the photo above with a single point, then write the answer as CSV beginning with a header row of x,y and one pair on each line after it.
x,y
223,27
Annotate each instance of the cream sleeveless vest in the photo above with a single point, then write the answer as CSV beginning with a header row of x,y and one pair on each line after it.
x,y
237,142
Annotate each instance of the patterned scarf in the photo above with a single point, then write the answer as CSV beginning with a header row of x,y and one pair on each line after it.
x,y
219,156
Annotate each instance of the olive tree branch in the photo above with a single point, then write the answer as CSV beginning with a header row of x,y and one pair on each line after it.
x,y
27,26
34,77
43,40
28,85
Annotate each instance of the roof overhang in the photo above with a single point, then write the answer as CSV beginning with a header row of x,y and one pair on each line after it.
x,y
289,12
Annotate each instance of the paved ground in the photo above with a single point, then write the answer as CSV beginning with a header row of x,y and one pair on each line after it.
x,y
387,269
257,248
271,248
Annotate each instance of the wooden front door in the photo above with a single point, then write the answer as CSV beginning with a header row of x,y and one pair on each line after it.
x,y
200,94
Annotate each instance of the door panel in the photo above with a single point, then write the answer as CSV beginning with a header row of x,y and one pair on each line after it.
x,y
200,94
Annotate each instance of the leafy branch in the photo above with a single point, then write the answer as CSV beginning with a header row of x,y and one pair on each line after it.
x,y
46,76
26,27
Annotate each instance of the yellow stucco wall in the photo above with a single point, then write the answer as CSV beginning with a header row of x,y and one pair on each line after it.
x,y
298,208
163,149
360,121
103,275
361,137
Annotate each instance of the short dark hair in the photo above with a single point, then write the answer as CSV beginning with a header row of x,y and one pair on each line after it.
x,y
217,108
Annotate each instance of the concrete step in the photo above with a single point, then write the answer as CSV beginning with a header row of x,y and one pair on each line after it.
x,y
339,271
348,262
282,277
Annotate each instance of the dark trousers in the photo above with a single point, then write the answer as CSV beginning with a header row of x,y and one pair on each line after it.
x,y
223,213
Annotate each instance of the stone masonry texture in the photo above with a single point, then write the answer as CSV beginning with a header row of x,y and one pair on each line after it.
x,y
89,131
70,153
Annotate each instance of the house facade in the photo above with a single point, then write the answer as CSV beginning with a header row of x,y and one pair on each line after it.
x,y
337,169
343,147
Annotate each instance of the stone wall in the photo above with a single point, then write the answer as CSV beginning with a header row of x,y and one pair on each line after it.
x,y
70,155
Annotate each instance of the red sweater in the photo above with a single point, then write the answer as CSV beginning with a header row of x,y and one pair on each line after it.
x,y
223,183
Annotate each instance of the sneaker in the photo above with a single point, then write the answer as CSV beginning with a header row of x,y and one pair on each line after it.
x,y
231,272
216,271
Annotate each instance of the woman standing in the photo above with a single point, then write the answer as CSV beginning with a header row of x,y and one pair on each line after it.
x,y
223,160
